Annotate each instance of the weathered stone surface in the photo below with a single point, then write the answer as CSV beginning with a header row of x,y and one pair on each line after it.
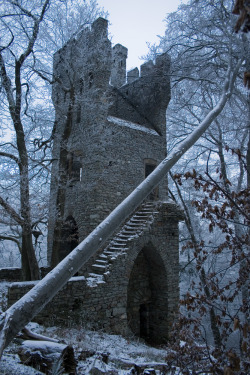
x,y
145,275
108,138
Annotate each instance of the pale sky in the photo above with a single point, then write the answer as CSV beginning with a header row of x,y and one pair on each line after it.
x,y
133,23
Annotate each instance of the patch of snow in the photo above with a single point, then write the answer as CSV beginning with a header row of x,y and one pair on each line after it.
x,y
94,279
24,283
90,348
131,125
77,278
10,365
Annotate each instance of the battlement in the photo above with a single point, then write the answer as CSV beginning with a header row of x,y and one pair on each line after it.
x,y
118,70
144,98
100,27
161,65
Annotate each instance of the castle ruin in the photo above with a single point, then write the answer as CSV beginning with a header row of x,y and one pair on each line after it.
x,y
110,133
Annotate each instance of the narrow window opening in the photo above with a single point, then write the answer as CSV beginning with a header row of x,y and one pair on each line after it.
x,y
81,86
78,114
74,168
91,79
149,169
69,237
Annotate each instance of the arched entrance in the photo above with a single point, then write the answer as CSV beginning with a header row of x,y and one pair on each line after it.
x,y
147,306
69,238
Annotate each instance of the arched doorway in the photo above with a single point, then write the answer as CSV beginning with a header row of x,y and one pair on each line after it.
x,y
147,304
69,238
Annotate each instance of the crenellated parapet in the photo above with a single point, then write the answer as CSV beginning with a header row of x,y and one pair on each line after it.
x,y
145,96
118,71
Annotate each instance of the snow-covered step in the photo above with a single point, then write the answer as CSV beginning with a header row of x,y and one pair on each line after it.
x,y
137,223
143,214
109,253
99,269
119,244
101,262
122,236
133,226
117,249
129,232
103,256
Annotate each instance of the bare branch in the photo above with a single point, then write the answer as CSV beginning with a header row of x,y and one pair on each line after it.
x,y
11,212
11,156
10,238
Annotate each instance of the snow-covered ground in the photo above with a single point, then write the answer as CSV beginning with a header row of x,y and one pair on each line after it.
x,y
95,352
90,348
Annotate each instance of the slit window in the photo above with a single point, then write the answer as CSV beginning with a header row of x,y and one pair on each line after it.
x,y
91,79
78,113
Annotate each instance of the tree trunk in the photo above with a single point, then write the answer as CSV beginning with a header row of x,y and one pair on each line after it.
x,y
30,267
50,358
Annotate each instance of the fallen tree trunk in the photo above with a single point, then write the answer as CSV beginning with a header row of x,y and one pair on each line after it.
x,y
48,357
27,334
19,314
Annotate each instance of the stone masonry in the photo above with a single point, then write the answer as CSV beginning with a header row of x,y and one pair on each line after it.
x,y
137,292
110,133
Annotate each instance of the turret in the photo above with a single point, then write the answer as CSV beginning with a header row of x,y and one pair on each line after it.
x,y
118,72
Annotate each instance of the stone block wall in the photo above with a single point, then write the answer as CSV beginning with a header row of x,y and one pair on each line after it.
x,y
145,275
15,274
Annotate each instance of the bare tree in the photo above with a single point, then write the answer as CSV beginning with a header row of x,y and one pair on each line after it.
x,y
16,91
30,33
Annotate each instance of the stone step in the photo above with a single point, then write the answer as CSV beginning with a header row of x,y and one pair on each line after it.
x,y
100,270
117,249
118,244
129,232
103,256
124,237
133,226
101,262
142,218
143,213
109,253
136,221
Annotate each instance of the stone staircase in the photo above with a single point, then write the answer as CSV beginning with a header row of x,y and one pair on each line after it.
x,y
133,228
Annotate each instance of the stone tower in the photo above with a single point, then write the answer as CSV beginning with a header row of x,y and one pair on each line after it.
x,y
110,133
108,137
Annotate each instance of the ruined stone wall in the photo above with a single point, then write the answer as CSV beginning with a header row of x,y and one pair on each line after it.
x,y
15,274
81,72
107,305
